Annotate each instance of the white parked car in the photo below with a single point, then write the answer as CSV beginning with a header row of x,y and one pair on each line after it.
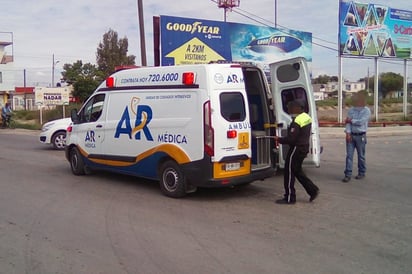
x,y
54,132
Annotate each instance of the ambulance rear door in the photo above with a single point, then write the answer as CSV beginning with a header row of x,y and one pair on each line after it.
x,y
229,122
290,80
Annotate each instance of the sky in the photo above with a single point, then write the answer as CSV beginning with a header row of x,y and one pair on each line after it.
x,y
71,30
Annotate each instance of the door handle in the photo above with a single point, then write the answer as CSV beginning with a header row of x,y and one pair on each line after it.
x,y
99,126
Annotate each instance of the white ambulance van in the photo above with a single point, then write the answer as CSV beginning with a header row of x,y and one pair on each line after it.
x,y
185,126
191,126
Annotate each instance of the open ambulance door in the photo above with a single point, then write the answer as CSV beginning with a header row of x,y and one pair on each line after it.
x,y
290,80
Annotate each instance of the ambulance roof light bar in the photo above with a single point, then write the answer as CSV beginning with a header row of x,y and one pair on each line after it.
x,y
110,81
123,67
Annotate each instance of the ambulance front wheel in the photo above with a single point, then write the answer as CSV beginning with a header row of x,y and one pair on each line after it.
x,y
172,180
76,162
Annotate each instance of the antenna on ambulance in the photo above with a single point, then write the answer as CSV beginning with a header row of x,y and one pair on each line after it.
x,y
228,5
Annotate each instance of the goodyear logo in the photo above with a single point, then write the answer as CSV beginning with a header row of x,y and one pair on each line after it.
x,y
195,27
143,116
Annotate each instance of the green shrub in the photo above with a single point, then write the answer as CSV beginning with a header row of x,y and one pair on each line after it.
x,y
30,119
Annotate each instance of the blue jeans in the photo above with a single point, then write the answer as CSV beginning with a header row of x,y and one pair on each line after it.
x,y
359,143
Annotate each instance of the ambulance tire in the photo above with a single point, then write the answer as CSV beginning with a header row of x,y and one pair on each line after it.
x,y
172,180
76,162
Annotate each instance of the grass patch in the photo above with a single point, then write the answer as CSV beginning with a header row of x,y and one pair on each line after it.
x,y
31,126
30,119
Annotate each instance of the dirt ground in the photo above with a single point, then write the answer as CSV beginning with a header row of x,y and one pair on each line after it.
x,y
392,112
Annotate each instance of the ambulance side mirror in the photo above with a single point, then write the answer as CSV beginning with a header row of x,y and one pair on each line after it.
x,y
74,116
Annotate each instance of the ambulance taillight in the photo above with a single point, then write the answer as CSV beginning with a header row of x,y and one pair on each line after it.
x,y
110,82
231,134
188,78
208,129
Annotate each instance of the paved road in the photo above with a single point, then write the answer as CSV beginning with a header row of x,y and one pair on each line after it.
x,y
54,222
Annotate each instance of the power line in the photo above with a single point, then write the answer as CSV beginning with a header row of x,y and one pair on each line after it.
x,y
268,23
283,29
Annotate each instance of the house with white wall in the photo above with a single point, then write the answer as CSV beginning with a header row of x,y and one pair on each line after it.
x,y
6,73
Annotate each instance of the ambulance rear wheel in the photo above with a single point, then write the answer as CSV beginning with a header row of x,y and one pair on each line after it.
x,y
76,162
172,180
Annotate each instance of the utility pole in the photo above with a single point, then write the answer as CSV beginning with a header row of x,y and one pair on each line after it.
x,y
142,36
25,96
53,66
367,83
228,5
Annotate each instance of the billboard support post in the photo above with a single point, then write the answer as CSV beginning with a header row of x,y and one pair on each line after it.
x,y
405,89
376,91
340,93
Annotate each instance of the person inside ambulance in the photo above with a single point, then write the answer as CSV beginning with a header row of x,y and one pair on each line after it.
x,y
297,138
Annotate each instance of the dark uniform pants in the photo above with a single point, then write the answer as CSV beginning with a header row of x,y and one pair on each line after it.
x,y
293,169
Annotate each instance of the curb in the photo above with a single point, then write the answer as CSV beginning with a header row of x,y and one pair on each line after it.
x,y
20,131
332,132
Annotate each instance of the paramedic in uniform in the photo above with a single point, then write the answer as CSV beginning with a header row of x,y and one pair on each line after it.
x,y
356,125
297,138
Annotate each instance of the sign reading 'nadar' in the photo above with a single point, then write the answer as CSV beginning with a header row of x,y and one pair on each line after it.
x,y
52,96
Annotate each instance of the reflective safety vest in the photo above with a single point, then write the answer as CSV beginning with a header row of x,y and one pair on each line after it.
x,y
299,131
303,119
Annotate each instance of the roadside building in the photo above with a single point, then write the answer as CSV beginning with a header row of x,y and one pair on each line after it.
x,y
6,73
319,91
330,89
23,98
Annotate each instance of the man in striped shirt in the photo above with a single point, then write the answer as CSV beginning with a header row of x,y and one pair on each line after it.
x,y
355,128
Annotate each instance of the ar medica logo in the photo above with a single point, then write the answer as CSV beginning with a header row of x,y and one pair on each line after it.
x,y
143,114
90,140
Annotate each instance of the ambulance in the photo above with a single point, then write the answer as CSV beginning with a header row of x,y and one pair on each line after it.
x,y
209,125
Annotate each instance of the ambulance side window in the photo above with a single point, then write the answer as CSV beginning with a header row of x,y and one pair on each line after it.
x,y
298,94
92,111
232,106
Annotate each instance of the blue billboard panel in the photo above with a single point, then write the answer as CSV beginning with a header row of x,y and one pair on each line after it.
x,y
371,30
193,41
266,44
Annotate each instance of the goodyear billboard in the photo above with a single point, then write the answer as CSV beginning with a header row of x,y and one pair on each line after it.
x,y
194,41
371,30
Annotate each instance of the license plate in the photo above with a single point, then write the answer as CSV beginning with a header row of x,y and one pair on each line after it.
x,y
232,166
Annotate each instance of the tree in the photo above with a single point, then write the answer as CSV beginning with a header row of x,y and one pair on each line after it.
x,y
324,79
84,78
112,52
389,81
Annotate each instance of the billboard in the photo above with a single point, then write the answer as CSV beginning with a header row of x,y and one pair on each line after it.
x,y
371,30
194,41
51,96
